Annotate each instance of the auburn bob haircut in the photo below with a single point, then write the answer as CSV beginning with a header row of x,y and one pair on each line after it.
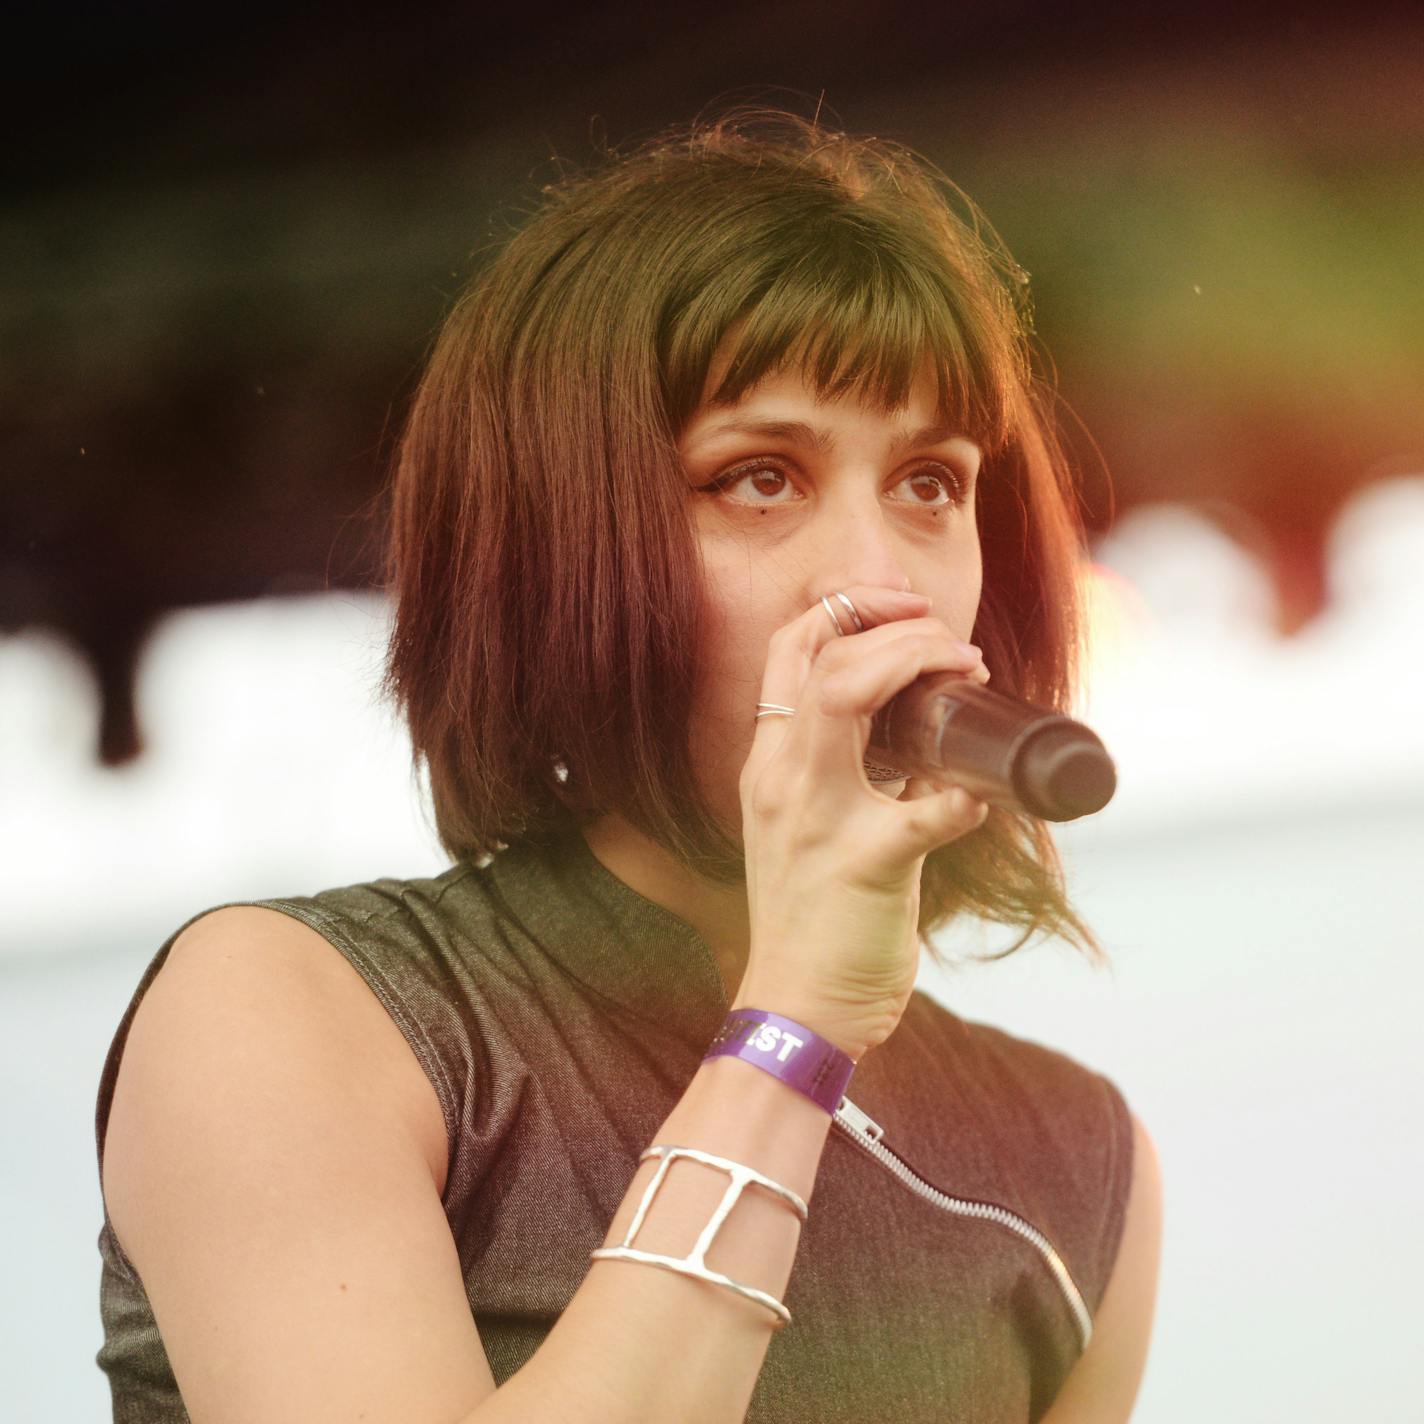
x,y
541,553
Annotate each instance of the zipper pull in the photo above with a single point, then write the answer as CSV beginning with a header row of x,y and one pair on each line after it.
x,y
861,1122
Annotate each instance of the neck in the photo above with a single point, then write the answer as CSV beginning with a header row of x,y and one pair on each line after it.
x,y
717,912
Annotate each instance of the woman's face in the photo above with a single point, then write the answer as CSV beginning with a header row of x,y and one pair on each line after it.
x,y
795,519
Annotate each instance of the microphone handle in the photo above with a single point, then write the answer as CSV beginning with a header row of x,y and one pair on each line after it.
x,y
948,729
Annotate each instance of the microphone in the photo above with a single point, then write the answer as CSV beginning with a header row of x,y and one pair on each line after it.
x,y
946,728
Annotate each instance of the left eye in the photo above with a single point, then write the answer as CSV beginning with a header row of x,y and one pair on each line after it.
x,y
947,481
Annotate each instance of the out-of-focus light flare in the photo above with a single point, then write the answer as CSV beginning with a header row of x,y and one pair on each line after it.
x,y
1117,622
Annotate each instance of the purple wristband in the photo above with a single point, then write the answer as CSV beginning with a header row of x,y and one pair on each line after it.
x,y
787,1050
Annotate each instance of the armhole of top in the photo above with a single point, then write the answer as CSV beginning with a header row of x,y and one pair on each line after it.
x,y
330,929
1117,1184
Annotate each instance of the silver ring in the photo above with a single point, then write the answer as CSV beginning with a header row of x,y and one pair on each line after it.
x,y
832,615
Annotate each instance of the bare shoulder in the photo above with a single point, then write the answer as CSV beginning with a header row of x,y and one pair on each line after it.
x,y
246,965
1103,1385
361,1028
265,1175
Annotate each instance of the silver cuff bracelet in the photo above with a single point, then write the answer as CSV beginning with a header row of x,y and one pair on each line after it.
x,y
695,1264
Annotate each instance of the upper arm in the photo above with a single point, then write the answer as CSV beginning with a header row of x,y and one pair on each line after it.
x,y
1103,1384
263,1172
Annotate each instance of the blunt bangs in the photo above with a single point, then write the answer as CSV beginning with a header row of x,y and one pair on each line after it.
x,y
854,316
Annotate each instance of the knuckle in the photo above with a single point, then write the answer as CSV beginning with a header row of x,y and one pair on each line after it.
x,y
972,811
759,796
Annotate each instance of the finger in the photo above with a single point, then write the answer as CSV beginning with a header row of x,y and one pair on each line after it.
x,y
842,703
793,649
862,687
941,815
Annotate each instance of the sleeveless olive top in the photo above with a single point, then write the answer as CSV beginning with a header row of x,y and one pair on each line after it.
x,y
560,1016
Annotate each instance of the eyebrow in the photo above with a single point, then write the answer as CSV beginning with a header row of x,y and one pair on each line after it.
x,y
820,440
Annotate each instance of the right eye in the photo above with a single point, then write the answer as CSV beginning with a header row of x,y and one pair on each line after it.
x,y
745,471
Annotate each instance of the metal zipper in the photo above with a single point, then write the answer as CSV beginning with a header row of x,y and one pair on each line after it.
x,y
865,1132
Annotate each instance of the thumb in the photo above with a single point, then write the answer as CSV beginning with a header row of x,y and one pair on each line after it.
x,y
943,813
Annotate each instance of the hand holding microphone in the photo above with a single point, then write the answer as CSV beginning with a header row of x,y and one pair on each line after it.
x,y
833,874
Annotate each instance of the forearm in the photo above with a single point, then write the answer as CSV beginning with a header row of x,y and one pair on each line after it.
x,y
639,1343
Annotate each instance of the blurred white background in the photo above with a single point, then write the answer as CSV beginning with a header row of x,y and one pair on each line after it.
x,y
1255,879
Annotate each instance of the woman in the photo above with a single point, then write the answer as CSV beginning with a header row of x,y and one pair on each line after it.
x,y
537,1138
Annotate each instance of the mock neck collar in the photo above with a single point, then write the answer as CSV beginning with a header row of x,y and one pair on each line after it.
x,y
614,940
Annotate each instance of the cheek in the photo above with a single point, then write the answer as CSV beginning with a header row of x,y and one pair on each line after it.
x,y
957,592
732,651
730,662
739,611
724,637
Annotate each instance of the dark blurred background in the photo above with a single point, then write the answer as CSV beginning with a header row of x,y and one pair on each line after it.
x,y
228,236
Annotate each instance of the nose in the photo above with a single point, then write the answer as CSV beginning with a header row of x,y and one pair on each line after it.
x,y
855,544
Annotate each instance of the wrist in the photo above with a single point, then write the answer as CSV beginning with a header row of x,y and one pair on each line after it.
x,y
844,1030
788,1050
